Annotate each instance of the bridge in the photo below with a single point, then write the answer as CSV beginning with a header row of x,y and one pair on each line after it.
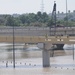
x,y
38,35
37,31
39,39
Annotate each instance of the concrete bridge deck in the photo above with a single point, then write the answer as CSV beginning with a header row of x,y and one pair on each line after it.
x,y
39,39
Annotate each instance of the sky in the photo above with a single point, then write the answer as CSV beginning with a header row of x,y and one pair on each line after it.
x,y
33,6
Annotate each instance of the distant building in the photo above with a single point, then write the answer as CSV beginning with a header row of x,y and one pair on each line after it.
x,y
16,15
61,16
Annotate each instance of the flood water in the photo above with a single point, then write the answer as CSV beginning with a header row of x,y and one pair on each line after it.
x,y
28,61
29,55
6,51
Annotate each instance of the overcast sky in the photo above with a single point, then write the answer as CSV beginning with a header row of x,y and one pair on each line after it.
x,y
33,6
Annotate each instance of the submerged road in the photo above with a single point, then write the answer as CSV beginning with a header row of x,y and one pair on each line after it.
x,y
36,31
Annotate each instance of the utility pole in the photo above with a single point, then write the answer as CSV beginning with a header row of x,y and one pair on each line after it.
x,y
13,48
73,51
66,14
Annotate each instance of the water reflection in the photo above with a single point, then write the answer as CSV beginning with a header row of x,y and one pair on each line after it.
x,y
6,52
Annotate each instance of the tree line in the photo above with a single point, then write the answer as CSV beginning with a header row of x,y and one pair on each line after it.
x,y
30,19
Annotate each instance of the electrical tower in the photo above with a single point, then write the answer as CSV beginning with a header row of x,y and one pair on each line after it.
x,y
42,6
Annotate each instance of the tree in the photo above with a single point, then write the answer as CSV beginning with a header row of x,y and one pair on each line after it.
x,y
45,17
10,21
31,17
17,22
39,14
23,18
73,11
69,11
2,21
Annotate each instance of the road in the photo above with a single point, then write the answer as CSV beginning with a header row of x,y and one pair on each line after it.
x,y
35,31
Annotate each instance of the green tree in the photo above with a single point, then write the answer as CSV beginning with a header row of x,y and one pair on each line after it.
x,y
10,21
23,18
45,17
